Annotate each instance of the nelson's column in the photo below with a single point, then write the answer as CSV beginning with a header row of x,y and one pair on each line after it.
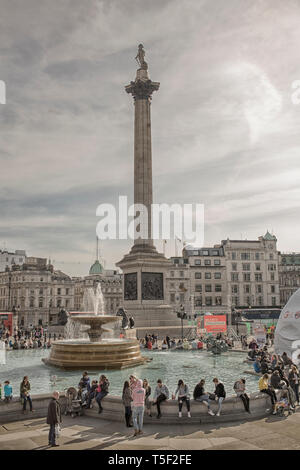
x,y
144,269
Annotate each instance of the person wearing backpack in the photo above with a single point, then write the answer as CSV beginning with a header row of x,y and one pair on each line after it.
x,y
240,390
183,396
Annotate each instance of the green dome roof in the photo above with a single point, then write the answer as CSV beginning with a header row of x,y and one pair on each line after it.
x,y
96,268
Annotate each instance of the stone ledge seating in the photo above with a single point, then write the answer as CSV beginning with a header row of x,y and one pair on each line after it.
x,y
113,410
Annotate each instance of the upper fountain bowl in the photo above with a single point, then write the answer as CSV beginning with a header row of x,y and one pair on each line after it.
x,y
95,322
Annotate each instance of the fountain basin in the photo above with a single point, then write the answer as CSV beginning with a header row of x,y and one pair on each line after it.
x,y
95,353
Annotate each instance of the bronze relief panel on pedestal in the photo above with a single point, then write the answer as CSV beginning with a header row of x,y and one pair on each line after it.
x,y
152,286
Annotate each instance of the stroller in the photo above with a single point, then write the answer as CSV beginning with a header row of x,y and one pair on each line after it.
x,y
74,407
285,402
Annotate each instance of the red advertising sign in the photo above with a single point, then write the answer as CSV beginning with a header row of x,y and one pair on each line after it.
x,y
6,320
215,323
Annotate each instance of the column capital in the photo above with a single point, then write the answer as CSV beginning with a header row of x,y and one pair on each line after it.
x,y
142,89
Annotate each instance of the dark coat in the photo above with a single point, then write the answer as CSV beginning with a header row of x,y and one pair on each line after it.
x,y
198,391
220,390
54,412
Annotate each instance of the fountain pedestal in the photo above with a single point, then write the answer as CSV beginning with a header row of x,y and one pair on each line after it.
x,y
95,353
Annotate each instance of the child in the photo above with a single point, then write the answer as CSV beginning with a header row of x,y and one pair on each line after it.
x,y
7,391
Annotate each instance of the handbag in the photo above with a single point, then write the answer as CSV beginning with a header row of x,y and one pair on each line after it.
x,y
57,430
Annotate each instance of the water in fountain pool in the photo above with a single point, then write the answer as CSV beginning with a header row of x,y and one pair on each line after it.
x,y
170,366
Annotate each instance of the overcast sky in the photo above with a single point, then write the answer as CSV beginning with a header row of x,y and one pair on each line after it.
x,y
224,130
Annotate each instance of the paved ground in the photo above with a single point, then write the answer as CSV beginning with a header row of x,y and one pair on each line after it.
x,y
96,434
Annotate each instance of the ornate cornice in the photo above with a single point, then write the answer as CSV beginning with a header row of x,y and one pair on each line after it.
x,y
142,89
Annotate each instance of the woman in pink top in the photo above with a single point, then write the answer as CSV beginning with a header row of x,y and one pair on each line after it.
x,y
138,400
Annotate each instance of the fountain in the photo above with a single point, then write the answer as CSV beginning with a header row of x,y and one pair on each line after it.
x,y
96,352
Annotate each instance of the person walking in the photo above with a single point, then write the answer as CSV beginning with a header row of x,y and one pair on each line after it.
x,y
161,393
138,400
25,393
203,397
102,391
53,418
183,396
240,390
127,399
220,394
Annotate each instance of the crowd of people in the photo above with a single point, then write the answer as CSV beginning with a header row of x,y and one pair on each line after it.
x,y
278,372
136,397
35,338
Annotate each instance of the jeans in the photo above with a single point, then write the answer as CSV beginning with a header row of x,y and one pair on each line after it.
x,y
271,394
100,397
220,401
295,388
51,437
205,398
128,414
159,399
90,396
187,402
25,399
138,417
246,401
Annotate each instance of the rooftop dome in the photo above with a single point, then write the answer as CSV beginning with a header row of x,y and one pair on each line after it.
x,y
96,268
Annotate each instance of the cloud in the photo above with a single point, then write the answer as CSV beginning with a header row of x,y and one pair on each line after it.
x,y
224,131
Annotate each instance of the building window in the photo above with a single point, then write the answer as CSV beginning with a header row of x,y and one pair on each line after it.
x,y
181,274
197,275
247,277
234,277
207,275
273,289
258,288
197,262
235,289
59,291
218,300
257,256
207,262
218,275
258,277
217,262
245,256
208,301
218,288
234,266
247,288
257,266
41,303
233,255
198,301
198,288
208,288
273,301
246,266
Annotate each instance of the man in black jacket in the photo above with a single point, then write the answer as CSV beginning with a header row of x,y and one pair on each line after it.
x,y
220,394
53,417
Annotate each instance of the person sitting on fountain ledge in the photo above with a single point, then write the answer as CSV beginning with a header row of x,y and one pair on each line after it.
x,y
161,393
102,391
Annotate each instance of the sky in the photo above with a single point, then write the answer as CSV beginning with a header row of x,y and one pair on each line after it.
x,y
225,132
